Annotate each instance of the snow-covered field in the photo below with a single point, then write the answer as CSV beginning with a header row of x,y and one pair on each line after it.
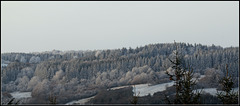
x,y
213,91
145,89
80,102
19,95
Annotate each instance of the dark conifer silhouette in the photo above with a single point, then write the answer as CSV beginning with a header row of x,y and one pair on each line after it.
x,y
183,78
228,96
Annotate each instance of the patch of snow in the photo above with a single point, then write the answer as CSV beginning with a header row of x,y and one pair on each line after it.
x,y
3,65
213,91
19,95
202,76
145,89
236,89
72,102
114,88
81,101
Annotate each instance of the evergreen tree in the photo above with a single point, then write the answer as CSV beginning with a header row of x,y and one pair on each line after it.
x,y
183,79
188,96
228,97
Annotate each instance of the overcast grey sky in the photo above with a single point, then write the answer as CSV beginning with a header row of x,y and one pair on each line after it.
x,y
43,26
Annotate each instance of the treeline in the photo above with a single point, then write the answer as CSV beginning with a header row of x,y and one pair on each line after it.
x,y
90,70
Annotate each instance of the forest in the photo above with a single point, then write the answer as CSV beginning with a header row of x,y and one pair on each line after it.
x,y
71,75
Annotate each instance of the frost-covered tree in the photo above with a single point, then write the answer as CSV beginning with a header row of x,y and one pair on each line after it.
x,y
41,90
22,83
27,71
59,74
212,76
34,59
23,59
33,82
98,53
18,57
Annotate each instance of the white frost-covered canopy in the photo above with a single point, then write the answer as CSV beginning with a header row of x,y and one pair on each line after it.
x,y
34,59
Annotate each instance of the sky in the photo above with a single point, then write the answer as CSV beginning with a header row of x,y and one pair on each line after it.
x,y
37,26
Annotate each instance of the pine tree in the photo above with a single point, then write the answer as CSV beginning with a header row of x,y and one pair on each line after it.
x,y
184,83
227,97
188,96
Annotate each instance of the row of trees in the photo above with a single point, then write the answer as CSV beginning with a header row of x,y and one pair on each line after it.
x,y
153,55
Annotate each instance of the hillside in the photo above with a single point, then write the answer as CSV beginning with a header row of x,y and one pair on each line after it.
x,y
72,75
